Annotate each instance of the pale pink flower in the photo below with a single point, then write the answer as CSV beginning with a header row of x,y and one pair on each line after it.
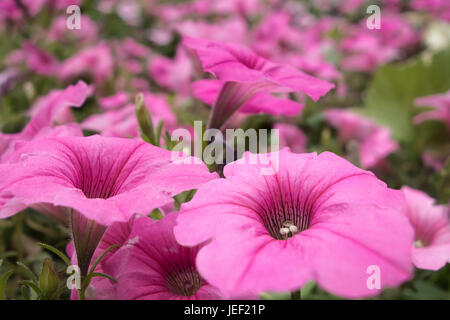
x,y
244,74
230,30
40,61
432,230
317,218
438,8
367,50
105,179
441,108
209,90
375,141
173,74
115,101
94,181
291,136
95,61
123,123
59,32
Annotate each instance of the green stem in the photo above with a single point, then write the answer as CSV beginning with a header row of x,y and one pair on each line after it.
x,y
19,229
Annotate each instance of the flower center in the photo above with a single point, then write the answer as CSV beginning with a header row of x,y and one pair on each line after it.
x,y
284,223
184,283
418,243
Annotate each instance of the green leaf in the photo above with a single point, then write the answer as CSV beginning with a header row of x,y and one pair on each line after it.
x,y
97,261
25,292
390,96
3,281
159,132
145,121
55,251
99,274
28,271
31,285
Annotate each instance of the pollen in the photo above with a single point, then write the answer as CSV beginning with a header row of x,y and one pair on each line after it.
x,y
288,230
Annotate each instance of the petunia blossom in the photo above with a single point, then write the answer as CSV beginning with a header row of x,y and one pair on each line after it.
x,y
96,61
209,91
100,180
441,108
174,74
122,123
375,142
317,218
115,101
156,267
432,230
106,179
245,74
291,136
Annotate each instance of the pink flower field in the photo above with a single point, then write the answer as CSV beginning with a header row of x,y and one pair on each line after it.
x,y
224,150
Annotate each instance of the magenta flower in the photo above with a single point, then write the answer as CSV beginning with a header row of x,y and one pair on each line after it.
x,y
441,108
432,228
39,60
375,142
105,179
438,8
318,218
122,123
96,61
101,180
209,92
111,264
158,268
292,137
245,74
58,31
173,74
115,101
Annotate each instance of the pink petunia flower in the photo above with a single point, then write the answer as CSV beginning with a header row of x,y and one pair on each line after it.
x,y
115,101
292,137
441,108
86,34
122,123
100,180
375,142
438,8
432,228
39,60
209,91
318,218
156,267
96,61
106,179
172,74
244,74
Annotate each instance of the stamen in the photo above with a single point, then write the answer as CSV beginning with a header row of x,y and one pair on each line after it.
x,y
288,230
419,244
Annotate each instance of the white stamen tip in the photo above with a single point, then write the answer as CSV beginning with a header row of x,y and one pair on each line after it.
x,y
284,231
293,229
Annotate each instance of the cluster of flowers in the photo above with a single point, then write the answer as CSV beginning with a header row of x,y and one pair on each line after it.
x,y
318,217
